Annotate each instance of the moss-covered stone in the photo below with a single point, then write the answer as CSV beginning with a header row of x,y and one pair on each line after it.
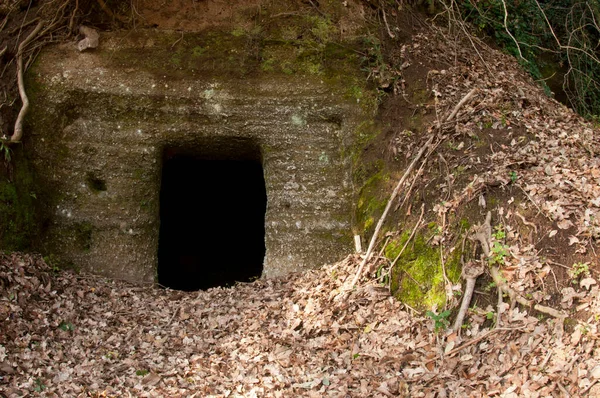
x,y
370,203
417,278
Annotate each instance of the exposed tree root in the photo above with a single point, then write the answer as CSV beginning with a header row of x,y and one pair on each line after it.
x,y
109,12
18,132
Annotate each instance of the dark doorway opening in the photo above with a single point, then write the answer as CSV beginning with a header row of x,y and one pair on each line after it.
x,y
212,215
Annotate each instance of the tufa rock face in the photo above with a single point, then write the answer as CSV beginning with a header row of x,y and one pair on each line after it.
x,y
101,121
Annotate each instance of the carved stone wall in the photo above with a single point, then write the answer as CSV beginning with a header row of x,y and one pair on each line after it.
x,y
100,121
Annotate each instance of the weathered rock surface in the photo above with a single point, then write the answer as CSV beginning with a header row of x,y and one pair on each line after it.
x,y
101,120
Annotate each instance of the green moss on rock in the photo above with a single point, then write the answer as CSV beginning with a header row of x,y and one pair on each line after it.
x,y
17,204
417,277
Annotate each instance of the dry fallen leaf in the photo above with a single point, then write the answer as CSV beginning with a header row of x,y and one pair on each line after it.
x,y
564,224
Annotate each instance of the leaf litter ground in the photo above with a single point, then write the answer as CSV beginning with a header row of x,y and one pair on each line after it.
x,y
68,335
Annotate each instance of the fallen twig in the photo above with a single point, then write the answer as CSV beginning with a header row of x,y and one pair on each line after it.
x,y
473,341
470,272
317,8
461,103
540,211
18,133
447,282
387,209
478,339
588,388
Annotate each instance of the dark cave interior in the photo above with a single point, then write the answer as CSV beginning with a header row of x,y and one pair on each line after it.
x,y
212,214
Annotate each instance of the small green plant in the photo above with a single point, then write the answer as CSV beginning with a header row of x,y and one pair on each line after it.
x,y
440,320
53,262
6,151
513,176
382,276
585,330
66,326
490,286
499,250
141,372
39,385
238,32
490,315
499,234
580,269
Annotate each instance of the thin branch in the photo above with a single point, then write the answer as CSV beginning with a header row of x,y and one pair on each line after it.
x,y
479,338
72,20
412,234
387,209
558,41
317,9
387,27
510,34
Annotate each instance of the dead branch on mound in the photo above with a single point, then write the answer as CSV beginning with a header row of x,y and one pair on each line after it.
x,y
427,145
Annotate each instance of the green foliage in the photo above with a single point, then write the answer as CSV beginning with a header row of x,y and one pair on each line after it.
x,y
142,372
66,326
17,203
6,151
499,250
488,18
440,320
557,36
39,385
580,269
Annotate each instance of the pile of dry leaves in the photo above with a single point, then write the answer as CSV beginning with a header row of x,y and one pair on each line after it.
x,y
67,335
